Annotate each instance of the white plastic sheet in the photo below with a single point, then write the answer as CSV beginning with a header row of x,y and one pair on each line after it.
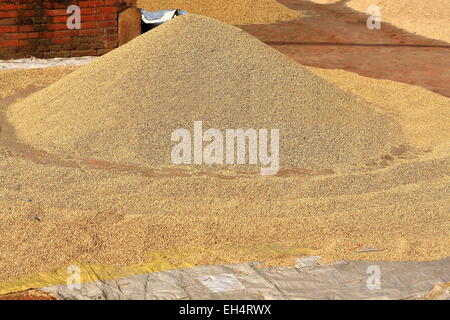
x,y
307,280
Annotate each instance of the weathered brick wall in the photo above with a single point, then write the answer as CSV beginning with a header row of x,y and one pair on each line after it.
x,y
38,28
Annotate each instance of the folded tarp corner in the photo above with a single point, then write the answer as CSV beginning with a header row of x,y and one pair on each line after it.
x,y
159,17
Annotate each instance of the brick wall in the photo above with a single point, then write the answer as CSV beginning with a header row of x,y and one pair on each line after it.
x,y
38,28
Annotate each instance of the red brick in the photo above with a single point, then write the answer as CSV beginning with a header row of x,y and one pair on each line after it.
x,y
106,9
63,54
40,42
22,43
8,21
42,48
54,27
24,6
111,44
100,17
89,25
40,20
5,51
61,40
60,19
111,30
106,24
7,6
68,46
46,34
111,16
65,33
9,28
92,17
29,13
25,49
56,54
15,36
54,47
97,45
115,2
86,39
55,12
85,46
8,14
111,3
111,37
91,4
33,35
43,30
91,32
27,28
9,43
55,5
81,53
87,11
103,51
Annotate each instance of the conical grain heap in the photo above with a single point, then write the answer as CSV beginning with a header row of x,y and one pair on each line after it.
x,y
124,106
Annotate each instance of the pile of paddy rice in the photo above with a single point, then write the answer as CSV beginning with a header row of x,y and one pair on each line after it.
x,y
229,11
29,79
422,114
124,106
54,215
427,18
